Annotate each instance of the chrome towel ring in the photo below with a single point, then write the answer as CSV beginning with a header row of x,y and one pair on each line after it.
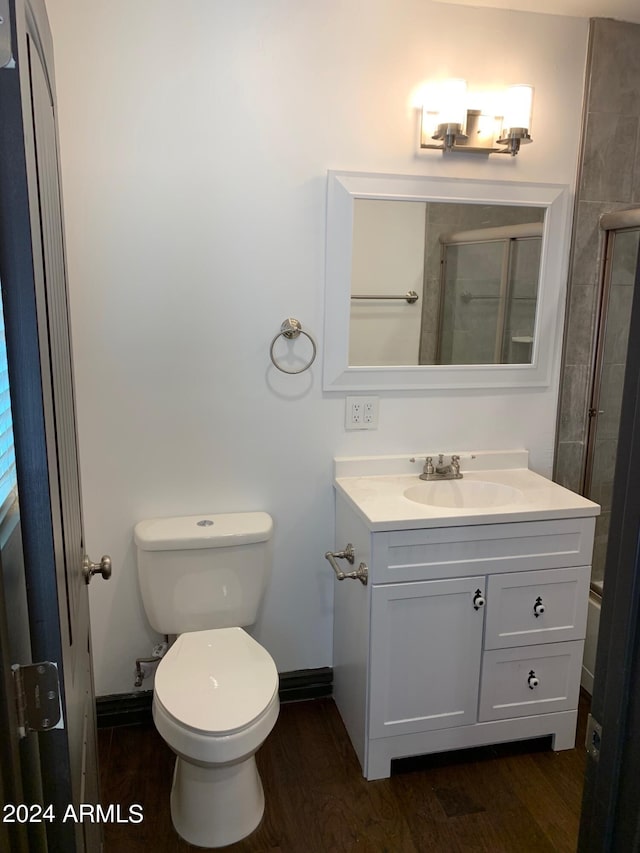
x,y
291,329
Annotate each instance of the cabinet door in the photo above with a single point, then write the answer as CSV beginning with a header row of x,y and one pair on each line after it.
x,y
426,644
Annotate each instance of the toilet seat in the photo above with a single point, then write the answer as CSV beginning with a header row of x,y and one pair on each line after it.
x,y
216,683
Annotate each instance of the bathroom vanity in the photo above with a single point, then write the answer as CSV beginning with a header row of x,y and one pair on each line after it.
x,y
470,628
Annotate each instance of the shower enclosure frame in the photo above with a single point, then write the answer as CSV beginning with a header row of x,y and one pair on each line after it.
x,y
611,223
507,235
611,798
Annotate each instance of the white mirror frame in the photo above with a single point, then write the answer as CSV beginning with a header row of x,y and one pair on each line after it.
x,y
345,187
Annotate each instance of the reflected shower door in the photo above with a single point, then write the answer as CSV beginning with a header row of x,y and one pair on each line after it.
x,y
621,259
471,291
520,314
489,290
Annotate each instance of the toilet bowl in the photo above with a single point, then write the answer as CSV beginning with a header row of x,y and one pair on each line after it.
x,y
215,702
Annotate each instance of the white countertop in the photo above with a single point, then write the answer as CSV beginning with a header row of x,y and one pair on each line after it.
x,y
377,494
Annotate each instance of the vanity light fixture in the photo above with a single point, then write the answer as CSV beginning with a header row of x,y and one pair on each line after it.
x,y
455,127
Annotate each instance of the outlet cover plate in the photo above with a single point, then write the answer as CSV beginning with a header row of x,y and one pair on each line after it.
x,y
361,412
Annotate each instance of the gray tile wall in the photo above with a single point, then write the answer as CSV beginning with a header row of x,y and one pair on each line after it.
x,y
609,179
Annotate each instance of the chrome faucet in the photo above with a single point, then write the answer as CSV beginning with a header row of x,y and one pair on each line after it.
x,y
440,471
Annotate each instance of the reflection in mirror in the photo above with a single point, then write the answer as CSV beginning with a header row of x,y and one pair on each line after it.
x,y
509,338
441,283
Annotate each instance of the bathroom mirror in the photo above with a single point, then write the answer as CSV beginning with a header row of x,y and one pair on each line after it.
x,y
442,283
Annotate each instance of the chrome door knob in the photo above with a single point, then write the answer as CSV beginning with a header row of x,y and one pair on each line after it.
x,y
90,569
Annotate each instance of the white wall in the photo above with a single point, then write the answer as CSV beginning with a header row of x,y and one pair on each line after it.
x,y
388,259
195,140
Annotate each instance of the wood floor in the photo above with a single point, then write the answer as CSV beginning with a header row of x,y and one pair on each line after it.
x,y
495,800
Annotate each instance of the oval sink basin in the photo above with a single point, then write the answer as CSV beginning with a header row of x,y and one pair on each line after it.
x,y
463,494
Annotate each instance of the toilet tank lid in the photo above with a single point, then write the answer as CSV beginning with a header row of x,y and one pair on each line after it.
x,y
203,531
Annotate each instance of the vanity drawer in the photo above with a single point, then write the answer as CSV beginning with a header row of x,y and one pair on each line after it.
x,y
441,552
531,680
527,608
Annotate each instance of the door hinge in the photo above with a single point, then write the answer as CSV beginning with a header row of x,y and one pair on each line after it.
x,y
37,692
6,55
593,738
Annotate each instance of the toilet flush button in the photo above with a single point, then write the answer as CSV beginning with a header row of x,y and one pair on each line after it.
x,y
206,522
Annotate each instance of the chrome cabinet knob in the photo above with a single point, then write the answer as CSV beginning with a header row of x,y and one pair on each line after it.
x,y
538,607
90,569
533,681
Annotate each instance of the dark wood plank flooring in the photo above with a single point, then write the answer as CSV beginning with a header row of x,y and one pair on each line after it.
x,y
507,799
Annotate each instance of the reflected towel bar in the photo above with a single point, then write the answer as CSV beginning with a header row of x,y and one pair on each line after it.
x,y
467,297
410,296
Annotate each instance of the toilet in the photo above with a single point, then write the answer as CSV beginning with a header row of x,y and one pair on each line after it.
x,y
215,697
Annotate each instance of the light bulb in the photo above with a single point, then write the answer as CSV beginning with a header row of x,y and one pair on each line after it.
x,y
453,102
517,112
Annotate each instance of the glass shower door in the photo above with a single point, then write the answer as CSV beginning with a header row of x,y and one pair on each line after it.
x,y
472,302
621,259
489,291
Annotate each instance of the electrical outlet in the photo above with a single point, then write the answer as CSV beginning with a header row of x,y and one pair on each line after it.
x,y
370,412
354,413
361,413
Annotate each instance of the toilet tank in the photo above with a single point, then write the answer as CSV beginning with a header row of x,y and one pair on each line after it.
x,y
203,571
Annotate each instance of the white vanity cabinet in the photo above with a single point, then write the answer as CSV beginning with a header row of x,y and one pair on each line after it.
x,y
464,635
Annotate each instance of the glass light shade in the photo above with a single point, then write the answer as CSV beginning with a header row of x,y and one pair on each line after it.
x,y
453,102
430,122
517,111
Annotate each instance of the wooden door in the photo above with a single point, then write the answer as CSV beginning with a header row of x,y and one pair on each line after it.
x,y
34,288
20,776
